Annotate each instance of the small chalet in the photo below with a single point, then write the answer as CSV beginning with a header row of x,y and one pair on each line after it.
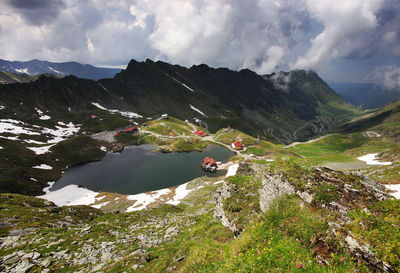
x,y
133,129
164,116
209,164
237,145
200,133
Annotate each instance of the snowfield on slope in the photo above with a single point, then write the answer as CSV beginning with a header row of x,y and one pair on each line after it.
x,y
370,159
122,113
43,167
61,132
184,85
396,190
197,110
42,116
73,195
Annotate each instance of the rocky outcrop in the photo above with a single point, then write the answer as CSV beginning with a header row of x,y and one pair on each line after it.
x,y
223,193
273,186
359,250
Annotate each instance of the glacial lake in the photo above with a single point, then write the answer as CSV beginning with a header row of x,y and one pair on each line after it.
x,y
139,169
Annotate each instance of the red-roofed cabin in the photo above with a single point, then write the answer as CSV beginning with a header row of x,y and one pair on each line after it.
x,y
209,164
117,133
238,145
133,129
93,116
200,133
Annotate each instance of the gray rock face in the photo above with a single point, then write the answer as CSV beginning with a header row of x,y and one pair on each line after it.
x,y
171,232
363,252
141,255
23,267
376,189
273,186
222,193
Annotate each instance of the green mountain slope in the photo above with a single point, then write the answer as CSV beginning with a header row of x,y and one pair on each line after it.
x,y
7,77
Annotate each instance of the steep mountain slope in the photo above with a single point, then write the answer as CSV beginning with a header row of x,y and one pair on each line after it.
x,y
386,121
35,67
243,99
7,77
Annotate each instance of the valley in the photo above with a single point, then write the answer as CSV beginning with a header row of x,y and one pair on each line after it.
x,y
317,204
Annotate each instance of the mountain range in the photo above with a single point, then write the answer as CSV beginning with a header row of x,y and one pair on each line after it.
x,y
281,107
35,67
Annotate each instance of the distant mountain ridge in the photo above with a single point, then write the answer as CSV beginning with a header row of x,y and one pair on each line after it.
x,y
35,67
218,97
365,95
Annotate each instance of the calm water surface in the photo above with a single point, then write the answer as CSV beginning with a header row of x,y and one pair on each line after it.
x,y
137,169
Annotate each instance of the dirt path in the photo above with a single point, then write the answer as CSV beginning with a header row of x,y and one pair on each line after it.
x,y
306,142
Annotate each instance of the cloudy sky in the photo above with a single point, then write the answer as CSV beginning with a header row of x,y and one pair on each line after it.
x,y
343,40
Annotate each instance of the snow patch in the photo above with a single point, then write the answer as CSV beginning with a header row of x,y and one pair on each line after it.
x,y
18,127
31,141
396,189
41,150
15,127
43,167
52,69
103,148
100,205
2,107
42,116
370,159
184,85
123,113
232,170
197,110
22,70
49,185
70,195
102,87
144,199
180,192
100,198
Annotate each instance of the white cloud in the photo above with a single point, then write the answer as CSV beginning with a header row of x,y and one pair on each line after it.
x,y
90,45
388,76
140,16
344,21
275,54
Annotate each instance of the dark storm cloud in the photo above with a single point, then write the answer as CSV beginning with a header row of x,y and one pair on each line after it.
x,y
385,16
37,12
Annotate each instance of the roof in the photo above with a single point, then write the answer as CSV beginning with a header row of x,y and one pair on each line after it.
x,y
238,144
134,128
209,160
200,133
